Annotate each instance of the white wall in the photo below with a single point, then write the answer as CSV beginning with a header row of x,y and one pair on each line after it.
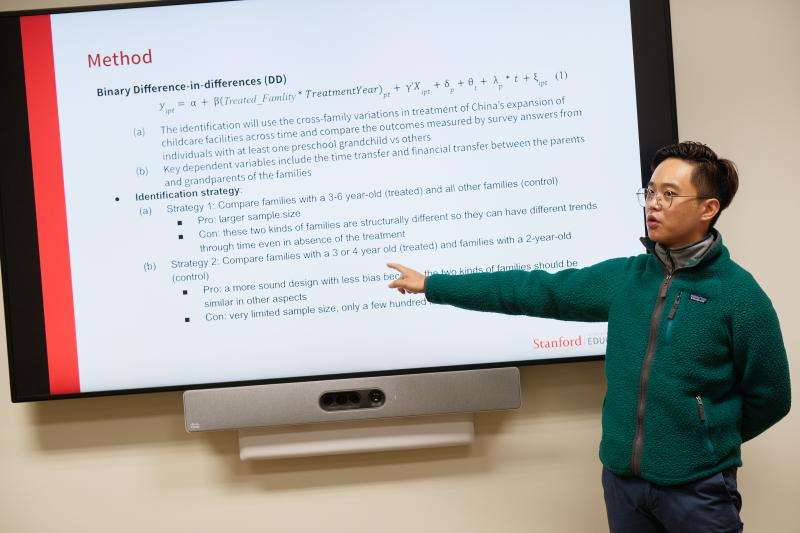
x,y
125,463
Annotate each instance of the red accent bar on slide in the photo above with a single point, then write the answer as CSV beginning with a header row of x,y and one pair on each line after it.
x,y
51,209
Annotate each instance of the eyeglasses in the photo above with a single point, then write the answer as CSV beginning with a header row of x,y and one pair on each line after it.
x,y
644,195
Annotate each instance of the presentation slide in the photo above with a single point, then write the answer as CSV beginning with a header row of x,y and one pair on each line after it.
x,y
237,175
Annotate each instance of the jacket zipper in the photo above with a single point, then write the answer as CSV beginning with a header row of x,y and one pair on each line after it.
x,y
675,306
638,437
701,409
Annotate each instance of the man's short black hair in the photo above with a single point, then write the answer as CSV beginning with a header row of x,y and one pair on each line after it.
x,y
712,177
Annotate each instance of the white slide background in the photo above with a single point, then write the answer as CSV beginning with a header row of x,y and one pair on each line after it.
x,y
395,61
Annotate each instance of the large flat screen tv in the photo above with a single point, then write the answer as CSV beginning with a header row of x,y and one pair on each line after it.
x,y
207,194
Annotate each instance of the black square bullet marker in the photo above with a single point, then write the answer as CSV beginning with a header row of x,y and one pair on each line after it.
x,y
185,291
186,319
180,222
180,236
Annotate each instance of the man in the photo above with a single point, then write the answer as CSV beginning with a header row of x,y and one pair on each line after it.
x,y
695,358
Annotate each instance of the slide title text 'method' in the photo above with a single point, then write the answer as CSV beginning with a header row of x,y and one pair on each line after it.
x,y
118,59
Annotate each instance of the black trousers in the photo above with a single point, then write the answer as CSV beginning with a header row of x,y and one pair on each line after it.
x,y
708,505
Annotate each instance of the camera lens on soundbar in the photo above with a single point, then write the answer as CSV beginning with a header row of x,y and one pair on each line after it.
x,y
376,396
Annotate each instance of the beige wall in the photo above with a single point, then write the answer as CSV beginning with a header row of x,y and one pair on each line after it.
x,y
124,463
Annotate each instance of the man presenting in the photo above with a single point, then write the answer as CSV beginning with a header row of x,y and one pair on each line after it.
x,y
695,360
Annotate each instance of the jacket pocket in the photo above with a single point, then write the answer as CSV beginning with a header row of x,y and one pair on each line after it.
x,y
671,316
702,414
674,309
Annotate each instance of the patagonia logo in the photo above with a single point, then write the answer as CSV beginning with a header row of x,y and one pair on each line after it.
x,y
698,298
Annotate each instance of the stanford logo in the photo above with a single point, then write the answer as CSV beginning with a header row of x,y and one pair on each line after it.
x,y
561,342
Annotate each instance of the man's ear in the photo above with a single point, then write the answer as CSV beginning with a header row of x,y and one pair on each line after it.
x,y
710,209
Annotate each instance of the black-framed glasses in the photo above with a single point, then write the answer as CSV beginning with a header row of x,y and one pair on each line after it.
x,y
645,195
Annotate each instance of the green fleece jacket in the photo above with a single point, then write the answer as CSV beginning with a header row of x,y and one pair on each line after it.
x,y
695,359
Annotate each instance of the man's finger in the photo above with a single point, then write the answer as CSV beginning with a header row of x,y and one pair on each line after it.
x,y
400,268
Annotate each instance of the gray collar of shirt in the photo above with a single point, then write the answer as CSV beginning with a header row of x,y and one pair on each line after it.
x,y
687,256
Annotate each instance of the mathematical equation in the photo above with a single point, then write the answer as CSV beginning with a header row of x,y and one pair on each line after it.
x,y
395,90
493,82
